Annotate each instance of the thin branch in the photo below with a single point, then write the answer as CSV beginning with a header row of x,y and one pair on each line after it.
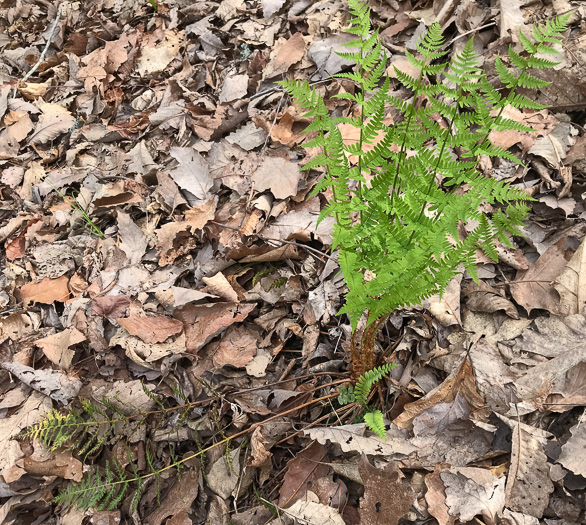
x,y
42,57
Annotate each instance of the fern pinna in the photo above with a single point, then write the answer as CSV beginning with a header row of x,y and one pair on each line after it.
x,y
398,214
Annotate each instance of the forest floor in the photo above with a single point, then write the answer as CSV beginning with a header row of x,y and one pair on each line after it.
x,y
161,253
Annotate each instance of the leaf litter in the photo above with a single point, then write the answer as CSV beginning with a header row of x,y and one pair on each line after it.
x,y
159,125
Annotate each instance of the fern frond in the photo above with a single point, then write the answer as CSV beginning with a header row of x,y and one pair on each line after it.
x,y
374,421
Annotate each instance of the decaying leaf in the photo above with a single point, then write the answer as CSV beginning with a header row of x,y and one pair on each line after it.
x,y
351,438
56,385
315,513
387,497
572,456
472,491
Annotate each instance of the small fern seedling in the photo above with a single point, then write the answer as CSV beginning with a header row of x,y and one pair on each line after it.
x,y
398,216
360,393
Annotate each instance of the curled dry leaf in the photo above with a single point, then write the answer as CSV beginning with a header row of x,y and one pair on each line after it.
x,y
460,381
56,385
482,297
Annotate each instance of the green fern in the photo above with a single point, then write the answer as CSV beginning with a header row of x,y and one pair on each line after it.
x,y
398,236
360,394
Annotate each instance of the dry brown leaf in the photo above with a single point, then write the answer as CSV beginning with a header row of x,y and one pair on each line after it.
x,y
571,284
203,322
50,126
111,306
460,381
178,499
308,466
511,19
220,286
572,456
46,291
260,456
56,385
304,511
237,347
198,216
12,135
133,242
533,288
436,497
151,329
192,173
352,438
278,175
472,491
482,297
543,122
387,497
287,54
569,391
56,346
235,88
61,464
158,49
528,483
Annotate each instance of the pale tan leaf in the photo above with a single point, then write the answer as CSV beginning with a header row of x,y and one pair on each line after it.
x,y
278,175
351,438
571,284
56,346
49,127
311,513
572,456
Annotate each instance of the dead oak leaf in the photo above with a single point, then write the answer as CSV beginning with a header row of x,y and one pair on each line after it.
x,y
151,329
386,497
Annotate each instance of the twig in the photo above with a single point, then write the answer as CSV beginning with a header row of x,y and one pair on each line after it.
x,y
299,245
490,24
42,57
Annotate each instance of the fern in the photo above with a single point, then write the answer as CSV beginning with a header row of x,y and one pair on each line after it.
x,y
360,394
397,235
85,432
